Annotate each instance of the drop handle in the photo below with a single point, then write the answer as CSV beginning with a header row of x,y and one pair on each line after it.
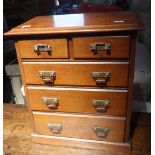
x,y
51,103
101,105
55,128
47,76
101,132
100,46
39,48
101,78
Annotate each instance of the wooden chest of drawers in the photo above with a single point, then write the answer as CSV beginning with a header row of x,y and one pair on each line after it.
x,y
77,71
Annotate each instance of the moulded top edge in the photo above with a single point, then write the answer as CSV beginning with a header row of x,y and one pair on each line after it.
x,y
78,23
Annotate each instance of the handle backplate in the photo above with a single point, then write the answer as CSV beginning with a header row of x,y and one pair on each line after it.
x,y
101,46
101,78
51,103
101,132
47,76
38,48
101,105
55,128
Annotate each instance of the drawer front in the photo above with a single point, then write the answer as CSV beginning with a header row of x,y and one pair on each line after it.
x,y
101,47
100,101
80,126
77,73
45,48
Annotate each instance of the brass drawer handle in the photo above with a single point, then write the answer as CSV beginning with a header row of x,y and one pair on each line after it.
x,y
101,132
38,48
101,46
100,82
101,74
55,128
101,105
51,103
47,76
97,76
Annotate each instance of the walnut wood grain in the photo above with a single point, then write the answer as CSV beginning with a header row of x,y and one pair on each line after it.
x,y
78,100
119,47
79,23
77,74
59,48
80,126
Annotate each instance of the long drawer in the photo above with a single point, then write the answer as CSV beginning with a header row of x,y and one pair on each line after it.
x,y
99,101
43,48
80,126
101,47
77,73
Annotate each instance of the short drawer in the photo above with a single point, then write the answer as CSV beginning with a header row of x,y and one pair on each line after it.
x,y
80,126
101,47
45,48
77,73
99,101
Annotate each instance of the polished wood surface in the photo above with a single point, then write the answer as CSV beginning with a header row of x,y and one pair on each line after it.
x,y
77,74
59,48
119,47
74,65
78,23
24,84
85,144
80,126
17,136
81,101
130,86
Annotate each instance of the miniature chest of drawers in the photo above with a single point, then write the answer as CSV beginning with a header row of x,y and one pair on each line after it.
x,y
78,70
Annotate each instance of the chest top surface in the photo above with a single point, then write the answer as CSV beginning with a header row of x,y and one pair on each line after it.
x,y
78,23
